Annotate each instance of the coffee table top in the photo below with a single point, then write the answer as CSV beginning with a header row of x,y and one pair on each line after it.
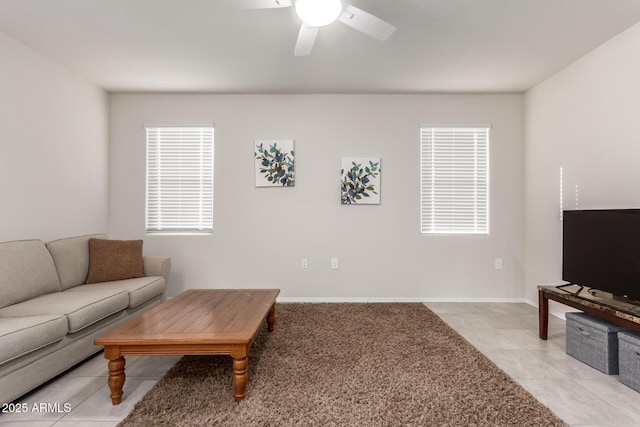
x,y
203,316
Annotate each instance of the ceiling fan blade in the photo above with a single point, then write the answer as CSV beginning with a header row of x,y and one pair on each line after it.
x,y
366,22
266,4
306,38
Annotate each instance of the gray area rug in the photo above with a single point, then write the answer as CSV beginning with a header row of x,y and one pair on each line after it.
x,y
346,365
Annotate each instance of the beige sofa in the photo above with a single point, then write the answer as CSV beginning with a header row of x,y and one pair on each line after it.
x,y
49,317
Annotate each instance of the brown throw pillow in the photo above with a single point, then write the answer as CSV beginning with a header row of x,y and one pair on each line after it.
x,y
114,260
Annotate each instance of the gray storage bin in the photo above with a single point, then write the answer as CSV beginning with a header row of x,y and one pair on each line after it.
x,y
629,359
593,341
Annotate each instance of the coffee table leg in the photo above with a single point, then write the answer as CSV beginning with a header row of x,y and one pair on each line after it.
x,y
240,377
116,373
271,318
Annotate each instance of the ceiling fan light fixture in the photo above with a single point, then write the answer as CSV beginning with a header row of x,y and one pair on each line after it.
x,y
318,13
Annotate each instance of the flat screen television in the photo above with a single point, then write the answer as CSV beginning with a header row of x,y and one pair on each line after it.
x,y
601,250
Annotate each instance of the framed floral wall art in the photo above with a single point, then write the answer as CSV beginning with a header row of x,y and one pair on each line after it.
x,y
360,181
274,163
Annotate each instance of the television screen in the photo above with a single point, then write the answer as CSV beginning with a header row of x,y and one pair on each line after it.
x,y
601,250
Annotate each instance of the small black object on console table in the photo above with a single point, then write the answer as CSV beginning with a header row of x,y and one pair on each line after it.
x,y
616,311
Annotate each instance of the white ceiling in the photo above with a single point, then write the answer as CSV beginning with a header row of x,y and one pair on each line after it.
x,y
218,46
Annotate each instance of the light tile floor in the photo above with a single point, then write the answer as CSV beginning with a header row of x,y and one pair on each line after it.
x,y
506,333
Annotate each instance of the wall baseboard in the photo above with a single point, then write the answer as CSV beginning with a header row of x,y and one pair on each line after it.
x,y
555,309
394,299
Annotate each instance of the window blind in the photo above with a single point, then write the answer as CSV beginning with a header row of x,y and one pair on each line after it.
x,y
454,180
179,179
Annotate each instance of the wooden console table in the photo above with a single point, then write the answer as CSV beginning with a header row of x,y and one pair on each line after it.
x,y
621,313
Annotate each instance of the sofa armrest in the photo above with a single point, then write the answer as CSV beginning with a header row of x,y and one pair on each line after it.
x,y
157,266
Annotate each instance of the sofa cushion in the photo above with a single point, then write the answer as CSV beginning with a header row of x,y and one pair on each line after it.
x,y
139,289
22,335
26,271
81,308
114,260
71,257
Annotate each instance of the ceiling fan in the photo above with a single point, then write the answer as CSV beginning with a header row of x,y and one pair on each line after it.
x,y
318,13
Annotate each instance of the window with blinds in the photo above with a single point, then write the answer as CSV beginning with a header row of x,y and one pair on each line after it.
x,y
454,180
179,180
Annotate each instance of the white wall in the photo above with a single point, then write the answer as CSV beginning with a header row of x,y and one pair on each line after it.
x,y
53,148
585,120
262,233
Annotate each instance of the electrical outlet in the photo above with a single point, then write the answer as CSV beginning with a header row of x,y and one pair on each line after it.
x,y
497,263
304,263
334,263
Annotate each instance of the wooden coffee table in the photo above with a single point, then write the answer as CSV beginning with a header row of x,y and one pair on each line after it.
x,y
198,321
